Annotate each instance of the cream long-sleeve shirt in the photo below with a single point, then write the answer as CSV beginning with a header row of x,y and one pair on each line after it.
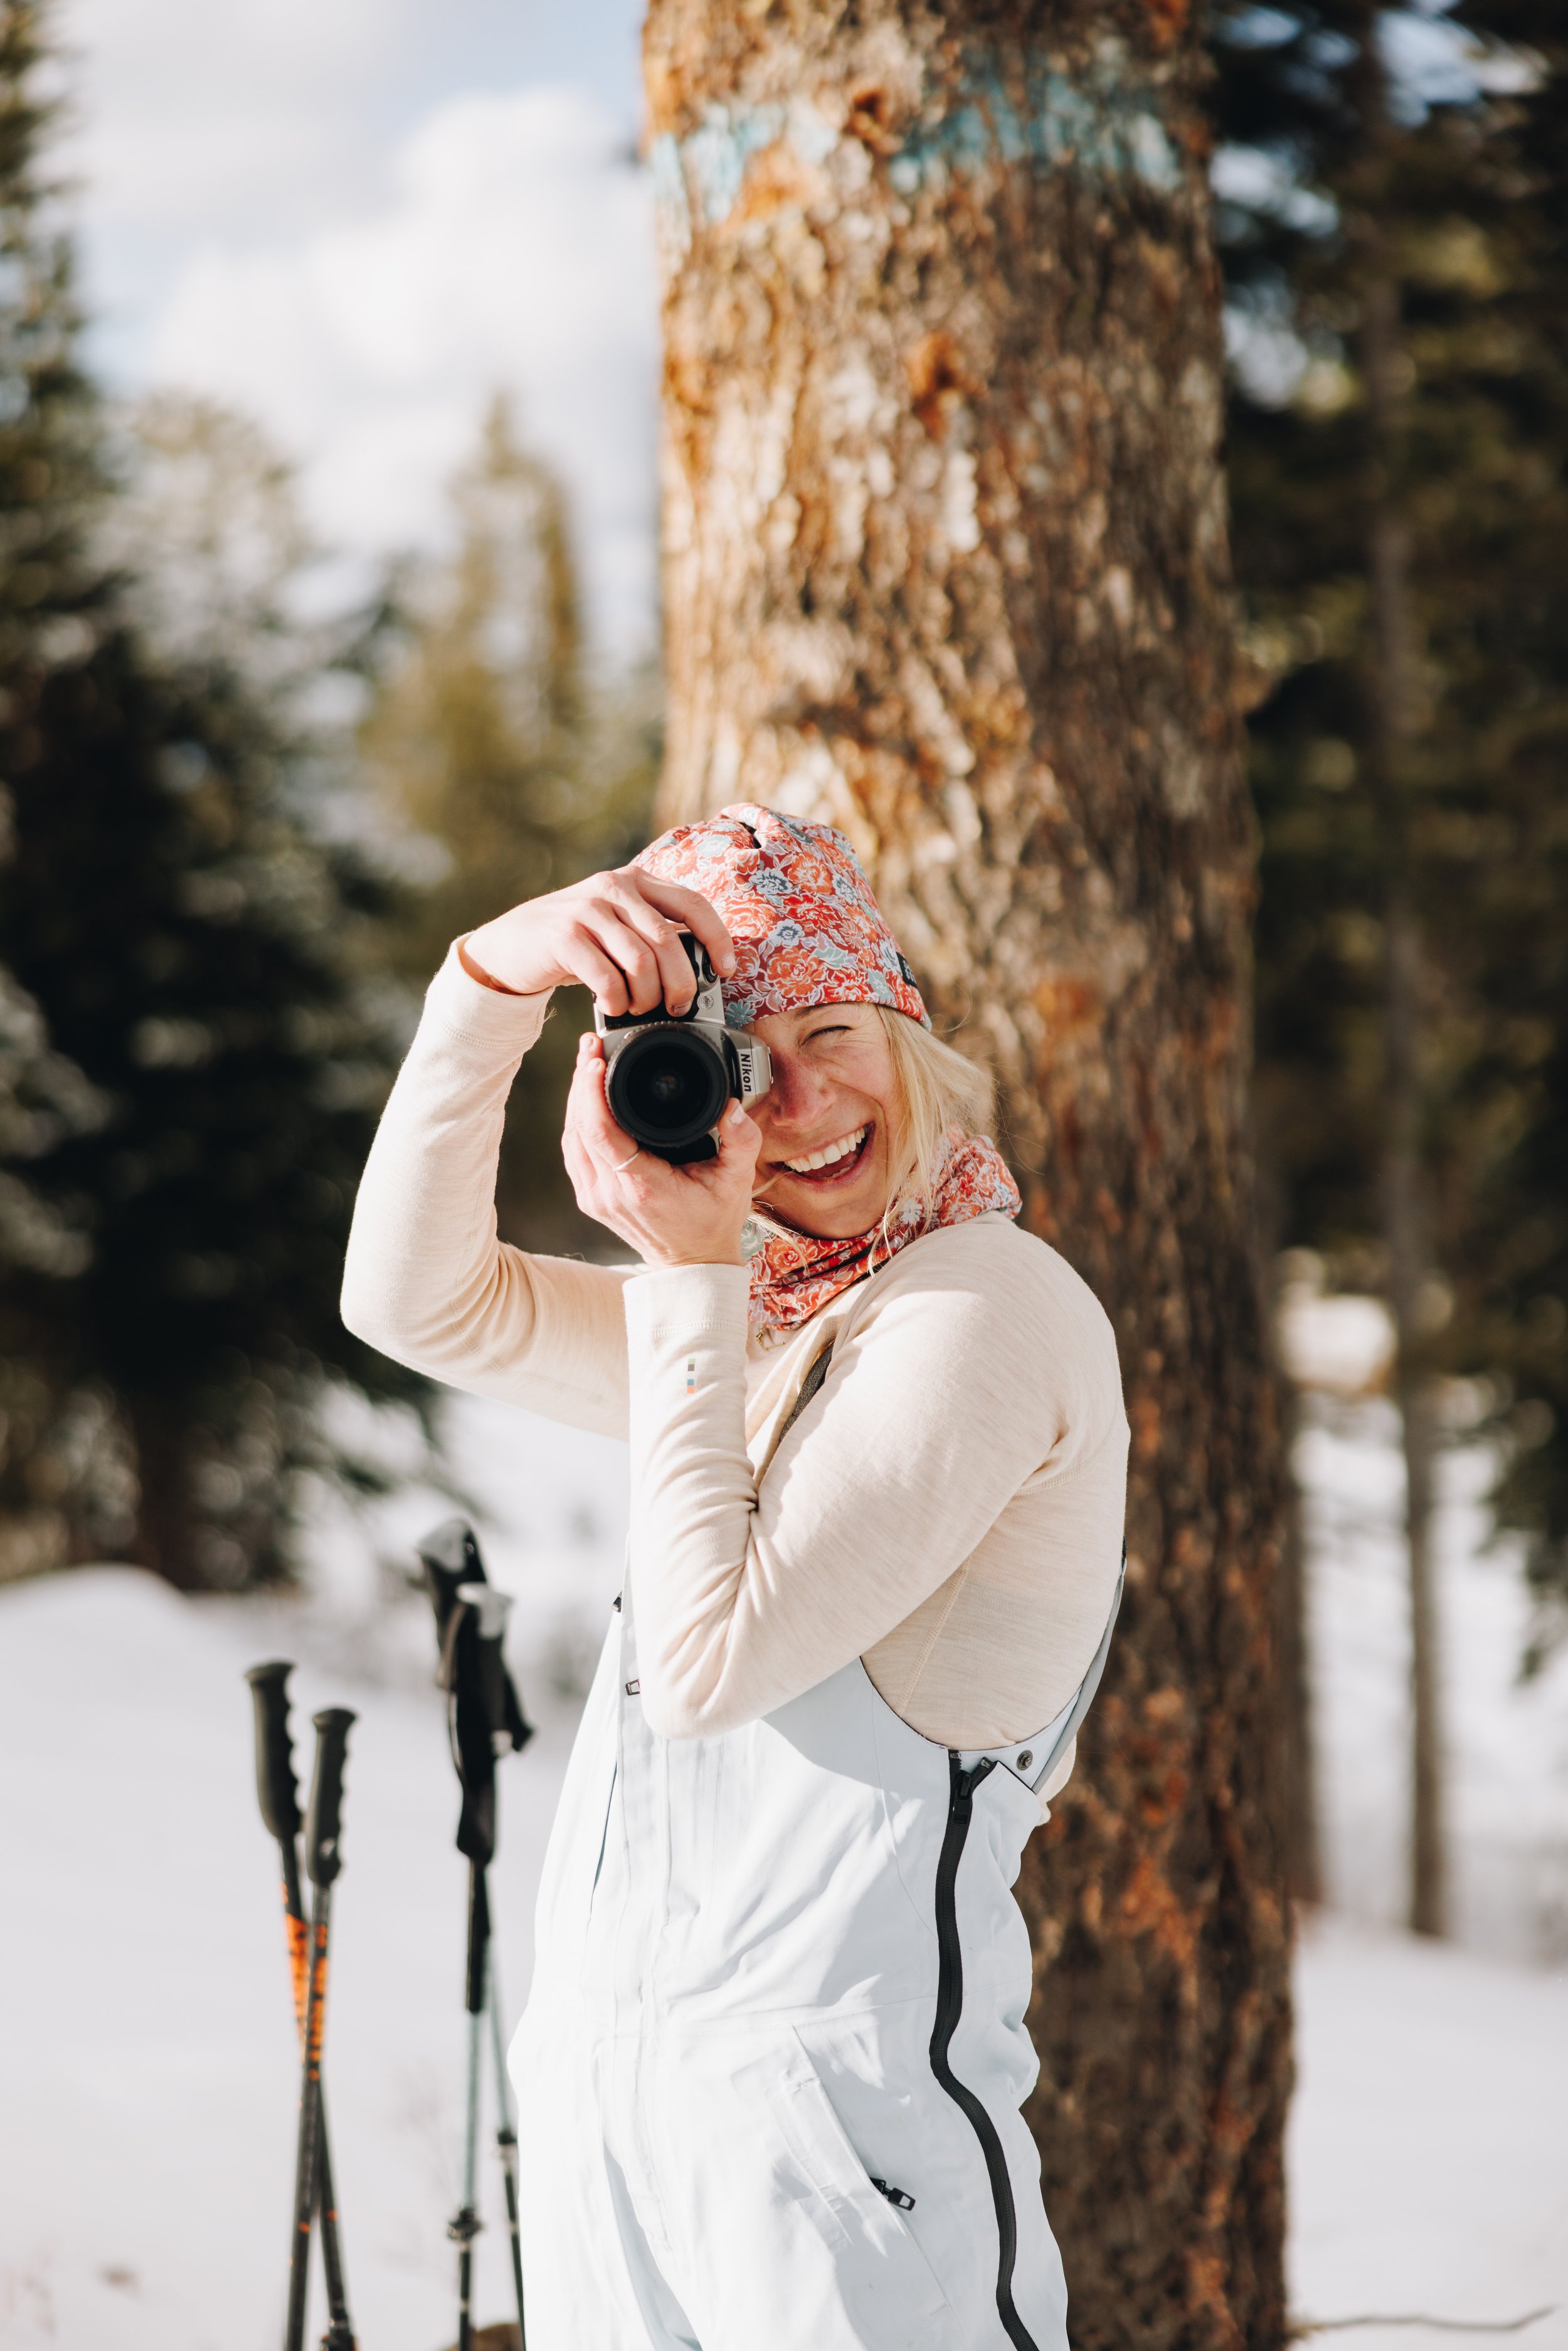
x,y
948,1507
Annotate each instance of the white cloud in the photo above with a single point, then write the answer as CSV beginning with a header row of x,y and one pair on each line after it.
x,y
226,112
513,251
306,209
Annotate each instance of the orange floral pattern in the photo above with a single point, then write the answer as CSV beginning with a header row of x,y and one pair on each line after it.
x,y
793,1275
794,896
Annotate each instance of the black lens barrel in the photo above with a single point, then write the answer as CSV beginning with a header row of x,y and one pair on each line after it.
x,y
668,1086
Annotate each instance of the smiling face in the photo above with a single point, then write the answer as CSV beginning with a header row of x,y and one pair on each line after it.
x,y
827,1120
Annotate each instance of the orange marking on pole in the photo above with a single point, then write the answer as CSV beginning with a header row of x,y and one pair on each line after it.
x,y
298,1965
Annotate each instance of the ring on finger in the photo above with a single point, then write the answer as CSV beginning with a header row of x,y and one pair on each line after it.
x,y
621,1164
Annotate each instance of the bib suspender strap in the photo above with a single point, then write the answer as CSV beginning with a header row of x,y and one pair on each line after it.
x,y
809,1387
1047,1746
1067,1726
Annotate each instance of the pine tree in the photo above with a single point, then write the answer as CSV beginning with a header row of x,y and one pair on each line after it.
x,y
516,766
50,476
1398,516
192,935
190,1065
43,1098
1505,1207
50,599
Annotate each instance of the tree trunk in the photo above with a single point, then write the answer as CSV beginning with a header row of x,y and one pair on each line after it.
x,y
164,1540
1304,1846
945,563
1394,722
1404,1227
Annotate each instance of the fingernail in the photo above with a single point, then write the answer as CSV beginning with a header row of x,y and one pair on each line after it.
x,y
737,1113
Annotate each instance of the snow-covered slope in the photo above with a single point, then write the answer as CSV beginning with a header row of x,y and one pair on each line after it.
x,y
146,2055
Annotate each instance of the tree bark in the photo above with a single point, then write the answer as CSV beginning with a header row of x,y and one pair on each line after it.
x,y
945,563
1394,722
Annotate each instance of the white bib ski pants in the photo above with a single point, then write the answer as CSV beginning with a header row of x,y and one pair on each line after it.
x,y
770,2075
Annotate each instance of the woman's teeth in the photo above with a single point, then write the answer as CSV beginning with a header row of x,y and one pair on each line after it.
x,y
844,1148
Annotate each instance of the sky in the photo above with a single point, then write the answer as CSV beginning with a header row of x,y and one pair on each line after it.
x,y
357,219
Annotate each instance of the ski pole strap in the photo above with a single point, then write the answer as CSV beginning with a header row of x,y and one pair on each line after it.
x,y
276,1792
450,1554
495,1689
491,1606
322,1827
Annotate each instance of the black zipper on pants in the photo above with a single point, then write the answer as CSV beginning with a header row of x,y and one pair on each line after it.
x,y
962,1786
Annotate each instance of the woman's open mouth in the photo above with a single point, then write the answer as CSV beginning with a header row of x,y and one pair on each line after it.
x,y
835,1161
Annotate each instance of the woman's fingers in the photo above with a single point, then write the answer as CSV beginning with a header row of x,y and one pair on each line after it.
x,y
677,981
739,1143
690,908
585,959
617,962
580,1170
618,934
588,1112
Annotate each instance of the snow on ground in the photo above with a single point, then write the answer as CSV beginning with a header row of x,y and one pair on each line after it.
x,y
1429,2137
147,2076
1506,1741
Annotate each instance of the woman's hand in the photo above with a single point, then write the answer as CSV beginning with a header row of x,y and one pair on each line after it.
x,y
618,932
671,1216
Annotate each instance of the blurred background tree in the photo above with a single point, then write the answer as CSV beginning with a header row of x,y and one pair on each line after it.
x,y
192,934
208,947
194,1060
1391,190
50,485
512,767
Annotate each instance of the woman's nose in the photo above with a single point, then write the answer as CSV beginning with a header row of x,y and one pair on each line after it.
x,y
797,1094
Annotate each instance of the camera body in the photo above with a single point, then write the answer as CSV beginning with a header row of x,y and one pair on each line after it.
x,y
670,1075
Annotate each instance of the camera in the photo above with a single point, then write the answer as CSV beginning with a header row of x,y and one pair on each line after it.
x,y
670,1075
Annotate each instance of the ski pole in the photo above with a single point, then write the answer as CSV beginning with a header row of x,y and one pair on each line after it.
x,y
466,2224
279,1799
322,1861
506,2141
484,1719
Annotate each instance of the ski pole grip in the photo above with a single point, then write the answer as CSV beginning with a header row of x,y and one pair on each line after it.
x,y
275,1789
322,1858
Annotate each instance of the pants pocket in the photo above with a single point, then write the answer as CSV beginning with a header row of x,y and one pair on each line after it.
x,y
888,2288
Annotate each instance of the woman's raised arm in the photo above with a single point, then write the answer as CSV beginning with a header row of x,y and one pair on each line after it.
x,y
427,1281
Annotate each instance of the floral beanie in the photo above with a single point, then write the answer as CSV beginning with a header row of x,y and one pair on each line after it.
x,y
807,931
796,900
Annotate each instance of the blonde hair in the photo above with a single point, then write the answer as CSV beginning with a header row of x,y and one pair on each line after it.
x,y
940,1089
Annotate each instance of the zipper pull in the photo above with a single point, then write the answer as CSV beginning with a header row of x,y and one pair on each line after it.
x,y
899,2196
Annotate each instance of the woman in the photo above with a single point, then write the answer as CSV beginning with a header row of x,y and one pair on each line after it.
x,y
771,2066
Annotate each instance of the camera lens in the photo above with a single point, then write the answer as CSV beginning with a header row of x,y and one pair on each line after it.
x,y
667,1087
